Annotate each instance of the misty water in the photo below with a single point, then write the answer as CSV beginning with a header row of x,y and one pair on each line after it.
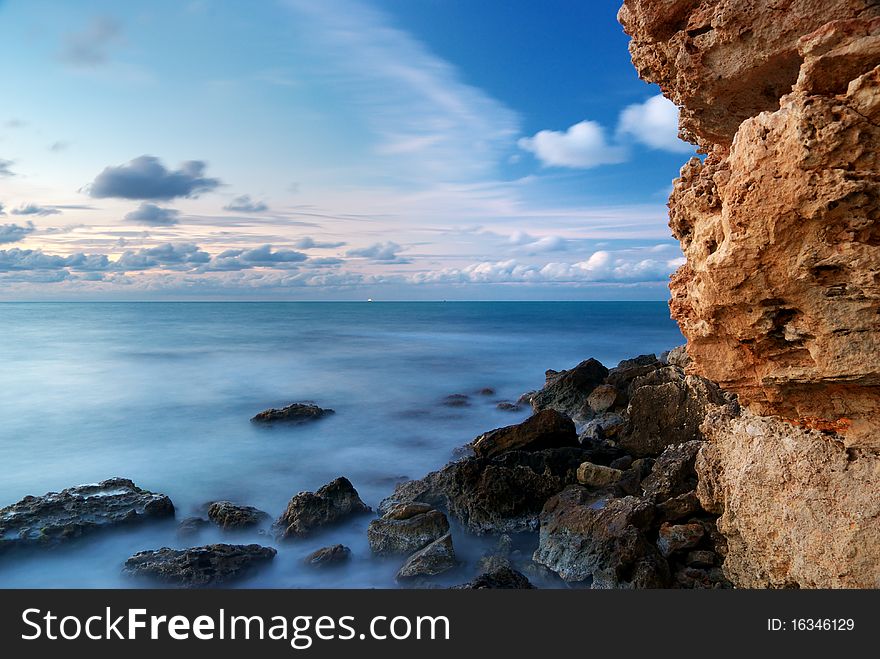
x,y
163,393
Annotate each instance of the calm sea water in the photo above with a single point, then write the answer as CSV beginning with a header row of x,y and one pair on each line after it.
x,y
163,393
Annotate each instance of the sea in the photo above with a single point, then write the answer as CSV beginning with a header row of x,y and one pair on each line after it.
x,y
163,393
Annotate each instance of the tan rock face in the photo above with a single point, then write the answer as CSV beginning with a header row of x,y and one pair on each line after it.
x,y
780,295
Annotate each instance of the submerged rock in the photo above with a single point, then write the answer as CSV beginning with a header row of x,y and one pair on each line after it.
x,y
545,429
228,515
210,565
507,406
328,556
406,528
501,578
294,413
308,511
457,400
56,517
191,526
436,558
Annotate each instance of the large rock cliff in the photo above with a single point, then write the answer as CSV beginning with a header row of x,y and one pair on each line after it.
x,y
780,295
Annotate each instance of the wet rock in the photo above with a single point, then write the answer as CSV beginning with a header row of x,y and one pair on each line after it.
x,y
308,511
210,565
328,556
602,398
230,516
487,391
545,429
676,537
567,391
56,517
457,400
667,407
673,472
501,578
585,535
436,558
294,413
507,406
593,475
191,526
399,533
503,494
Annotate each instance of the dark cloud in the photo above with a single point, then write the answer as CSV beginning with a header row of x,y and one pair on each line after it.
x,y
176,256
5,166
310,243
153,215
34,209
146,178
12,233
264,256
89,47
244,204
2,211
386,252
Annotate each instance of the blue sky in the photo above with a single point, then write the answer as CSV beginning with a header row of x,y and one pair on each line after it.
x,y
288,149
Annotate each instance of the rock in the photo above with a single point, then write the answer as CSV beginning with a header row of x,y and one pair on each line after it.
x,y
593,475
507,406
394,534
678,507
667,407
57,517
503,494
405,510
678,357
308,511
457,400
328,556
436,558
504,577
191,526
585,535
602,398
673,472
700,558
228,515
567,391
545,429
294,413
210,565
604,426
798,508
622,375
487,391
676,537
623,463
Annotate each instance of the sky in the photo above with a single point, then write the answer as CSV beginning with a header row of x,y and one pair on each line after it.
x,y
342,149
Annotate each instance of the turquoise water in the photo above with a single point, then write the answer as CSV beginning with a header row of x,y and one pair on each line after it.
x,y
162,393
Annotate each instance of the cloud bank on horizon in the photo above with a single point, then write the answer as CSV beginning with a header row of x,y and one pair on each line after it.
x,y
346,149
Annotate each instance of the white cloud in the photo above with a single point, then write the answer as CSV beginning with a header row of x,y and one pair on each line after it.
x,y
653,123
379,252
582,146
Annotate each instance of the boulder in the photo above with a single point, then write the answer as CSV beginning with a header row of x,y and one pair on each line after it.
x,y
677,537
397,534
567,391
230,516
294,413
673,472
596,536
57,517
210,565
308,511
507,406
436,558
328,556
545,429
501,578
622,375
603,426
597,476
602,398
678,356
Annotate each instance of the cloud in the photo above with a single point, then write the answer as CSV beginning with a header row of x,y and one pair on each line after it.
x,y
5,166
386,252
653,123
535,245
147,178
12,233
307,242
2,207
167,255
89,47
152,215
263,256
60,145
34,209
582,146
244,204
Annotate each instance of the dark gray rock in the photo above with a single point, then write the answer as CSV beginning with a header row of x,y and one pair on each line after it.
x,y
57,517
700,558
191,526
230,516
405,529
457,400
507,406
436,558
294,413
328,556
567,391
545,429
678,356
210,565
501,578
308,511
673,472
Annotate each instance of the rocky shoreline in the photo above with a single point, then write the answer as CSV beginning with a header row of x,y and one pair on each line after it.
x,y
597,488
